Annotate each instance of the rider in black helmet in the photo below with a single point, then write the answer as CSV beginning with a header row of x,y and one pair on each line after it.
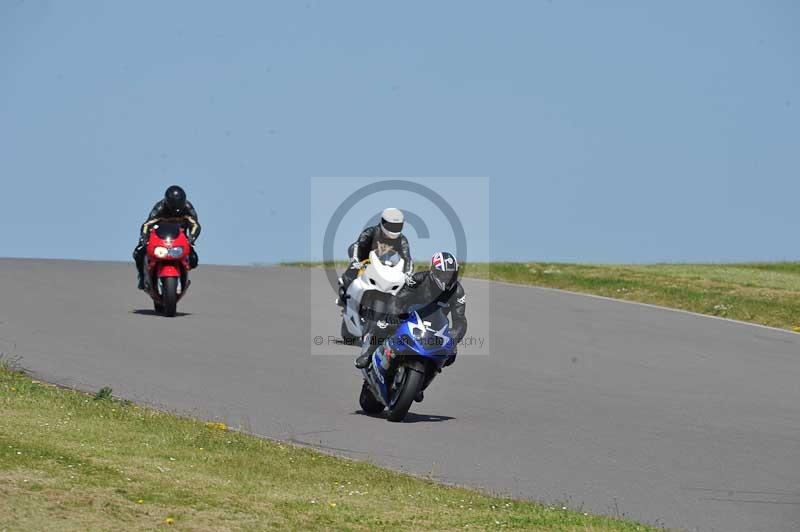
x,y
174,205
175,199
435,288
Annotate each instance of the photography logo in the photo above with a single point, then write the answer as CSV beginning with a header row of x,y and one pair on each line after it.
x,y
432,224
412,220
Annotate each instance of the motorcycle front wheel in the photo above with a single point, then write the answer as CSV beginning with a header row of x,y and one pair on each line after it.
x,y
169,295
411,385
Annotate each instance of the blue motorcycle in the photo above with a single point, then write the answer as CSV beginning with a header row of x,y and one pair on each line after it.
x,y
405,363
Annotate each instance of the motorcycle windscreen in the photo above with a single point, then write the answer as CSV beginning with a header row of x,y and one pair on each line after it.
x,y
390,258
168,231
426,333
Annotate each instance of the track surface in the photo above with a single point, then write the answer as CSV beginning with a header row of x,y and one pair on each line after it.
x,y
664,417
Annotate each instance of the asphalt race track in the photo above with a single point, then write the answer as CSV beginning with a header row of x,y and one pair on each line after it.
x,y
665,417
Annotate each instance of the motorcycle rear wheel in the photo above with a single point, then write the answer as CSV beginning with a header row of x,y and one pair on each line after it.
x,y
412,384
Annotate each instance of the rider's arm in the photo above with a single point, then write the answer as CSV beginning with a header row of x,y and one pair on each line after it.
x,y
411,294
152,218
359,250
458,313
191,216
405,253
418,278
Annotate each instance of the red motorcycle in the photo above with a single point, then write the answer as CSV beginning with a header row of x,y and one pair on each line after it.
x,y
167,266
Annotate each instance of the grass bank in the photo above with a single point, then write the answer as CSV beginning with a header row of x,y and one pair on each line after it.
x,y
71,461
764,293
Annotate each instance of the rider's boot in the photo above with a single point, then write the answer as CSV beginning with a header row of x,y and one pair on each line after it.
x,y
138,259
344,282
341,300
376,335
363,360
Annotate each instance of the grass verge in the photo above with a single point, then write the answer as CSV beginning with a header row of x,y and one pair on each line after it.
x,y
764,293
72,461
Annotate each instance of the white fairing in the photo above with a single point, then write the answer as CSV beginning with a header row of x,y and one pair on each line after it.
x,y
376,276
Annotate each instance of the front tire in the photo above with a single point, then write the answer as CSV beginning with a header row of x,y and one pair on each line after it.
x,y
369,404
412,384
169,295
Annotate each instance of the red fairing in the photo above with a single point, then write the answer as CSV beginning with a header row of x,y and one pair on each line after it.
x,y
169,270
168,264
154,241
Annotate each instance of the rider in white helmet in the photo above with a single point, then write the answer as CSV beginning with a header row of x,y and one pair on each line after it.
x,y
385,237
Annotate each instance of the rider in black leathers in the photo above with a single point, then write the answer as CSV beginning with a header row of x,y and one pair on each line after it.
x,y
382,238
174,205
429,290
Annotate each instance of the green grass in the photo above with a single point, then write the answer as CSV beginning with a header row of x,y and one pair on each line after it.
x,y
765,293
74,461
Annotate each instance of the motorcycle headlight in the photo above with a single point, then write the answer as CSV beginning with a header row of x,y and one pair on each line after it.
x,y
160,252
176,252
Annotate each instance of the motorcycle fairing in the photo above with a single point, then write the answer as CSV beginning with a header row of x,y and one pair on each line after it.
x,y
417,338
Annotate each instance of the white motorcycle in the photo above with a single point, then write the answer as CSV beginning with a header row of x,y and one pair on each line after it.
x,y
378,281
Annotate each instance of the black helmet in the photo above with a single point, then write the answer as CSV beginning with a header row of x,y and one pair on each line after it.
x,y
175,198
444,270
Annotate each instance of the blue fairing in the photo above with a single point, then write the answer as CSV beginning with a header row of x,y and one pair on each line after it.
x,y
427,337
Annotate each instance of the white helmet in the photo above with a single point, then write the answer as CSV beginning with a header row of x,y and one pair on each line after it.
x,y
391,222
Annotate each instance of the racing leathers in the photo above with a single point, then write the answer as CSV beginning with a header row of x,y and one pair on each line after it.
x,y
423,294
373,238
188,220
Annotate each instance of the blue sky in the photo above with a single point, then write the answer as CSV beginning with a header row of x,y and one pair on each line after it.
x,y
611,132
428,227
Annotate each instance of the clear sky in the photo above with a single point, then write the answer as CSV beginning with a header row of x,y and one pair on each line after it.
x,y
611,131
